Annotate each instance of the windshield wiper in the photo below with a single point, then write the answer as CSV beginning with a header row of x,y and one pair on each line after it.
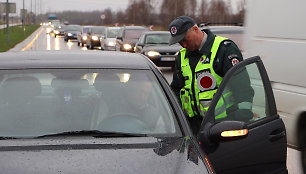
x,y
94,133
7,138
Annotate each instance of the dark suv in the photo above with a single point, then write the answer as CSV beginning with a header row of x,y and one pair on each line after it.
x,y
128,36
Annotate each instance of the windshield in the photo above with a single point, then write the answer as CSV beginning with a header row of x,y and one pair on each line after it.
x,y
98,30
112,32
133,34
158,39
126,101
73,28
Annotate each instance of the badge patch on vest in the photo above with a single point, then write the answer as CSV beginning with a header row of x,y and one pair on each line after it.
x,y
206,81
232,56
204,60
235,61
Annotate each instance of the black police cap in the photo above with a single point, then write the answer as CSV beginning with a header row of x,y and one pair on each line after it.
x,y
178,28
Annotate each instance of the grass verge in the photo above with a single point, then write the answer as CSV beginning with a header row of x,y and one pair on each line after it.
x,y
16,36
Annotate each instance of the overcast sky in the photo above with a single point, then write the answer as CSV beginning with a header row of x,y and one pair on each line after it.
x,y
43,6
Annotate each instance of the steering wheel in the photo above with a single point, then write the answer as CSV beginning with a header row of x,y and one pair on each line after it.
x,y
123,122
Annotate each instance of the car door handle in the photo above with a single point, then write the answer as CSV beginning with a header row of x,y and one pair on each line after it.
x,y
276,136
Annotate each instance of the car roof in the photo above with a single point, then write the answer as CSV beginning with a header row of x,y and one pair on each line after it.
x,y
73,59
134,27
226,29
113,27
157,32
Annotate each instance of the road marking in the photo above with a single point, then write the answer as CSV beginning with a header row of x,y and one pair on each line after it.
x,y
33,40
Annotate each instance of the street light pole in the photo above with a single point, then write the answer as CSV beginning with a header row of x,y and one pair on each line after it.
x,y
7,23
23,18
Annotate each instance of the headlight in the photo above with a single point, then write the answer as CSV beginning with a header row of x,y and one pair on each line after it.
x,y
127,46
69,34
96,38
177,53
152,54
48,30
111,44
84,37
56,32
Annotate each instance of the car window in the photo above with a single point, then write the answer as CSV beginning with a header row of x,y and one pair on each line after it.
x,y
98,30
133,34
141,39
243,99
85,30
112,33
75,28
158,39
73,100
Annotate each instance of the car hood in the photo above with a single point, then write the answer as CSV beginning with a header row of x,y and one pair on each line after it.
x,y
96,155
162,48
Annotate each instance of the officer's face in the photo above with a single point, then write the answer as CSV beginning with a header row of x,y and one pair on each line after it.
x,y
190,41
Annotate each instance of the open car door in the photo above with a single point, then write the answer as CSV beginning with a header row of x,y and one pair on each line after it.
x,y
242,132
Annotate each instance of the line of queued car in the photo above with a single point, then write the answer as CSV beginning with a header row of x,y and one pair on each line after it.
x,y
139,39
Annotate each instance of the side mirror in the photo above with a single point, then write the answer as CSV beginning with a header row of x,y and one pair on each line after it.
x,y
223,131
119,37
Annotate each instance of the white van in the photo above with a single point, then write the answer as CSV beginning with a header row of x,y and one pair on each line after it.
x,y
276,31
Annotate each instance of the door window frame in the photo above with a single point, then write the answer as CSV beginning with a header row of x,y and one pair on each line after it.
x,y
272,115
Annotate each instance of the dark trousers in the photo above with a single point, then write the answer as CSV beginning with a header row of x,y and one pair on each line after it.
x,y
195,123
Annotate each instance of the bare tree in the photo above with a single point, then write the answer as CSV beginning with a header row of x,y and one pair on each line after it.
x,y
219,12
138,12
203,11
170,9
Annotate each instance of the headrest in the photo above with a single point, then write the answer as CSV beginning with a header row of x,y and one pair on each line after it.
x,y
110,79
20,88
72,83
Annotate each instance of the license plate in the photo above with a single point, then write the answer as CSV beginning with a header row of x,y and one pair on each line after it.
x,y
167,58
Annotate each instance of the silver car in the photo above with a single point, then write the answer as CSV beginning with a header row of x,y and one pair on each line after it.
x,y
108,42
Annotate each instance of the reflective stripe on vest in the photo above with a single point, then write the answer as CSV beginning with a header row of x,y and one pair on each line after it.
x,y
196,100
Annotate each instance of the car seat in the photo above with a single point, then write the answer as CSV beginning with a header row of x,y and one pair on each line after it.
x,y
110,88
71,108
19,112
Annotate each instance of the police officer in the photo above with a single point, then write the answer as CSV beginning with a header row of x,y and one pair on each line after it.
x,y
200,67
